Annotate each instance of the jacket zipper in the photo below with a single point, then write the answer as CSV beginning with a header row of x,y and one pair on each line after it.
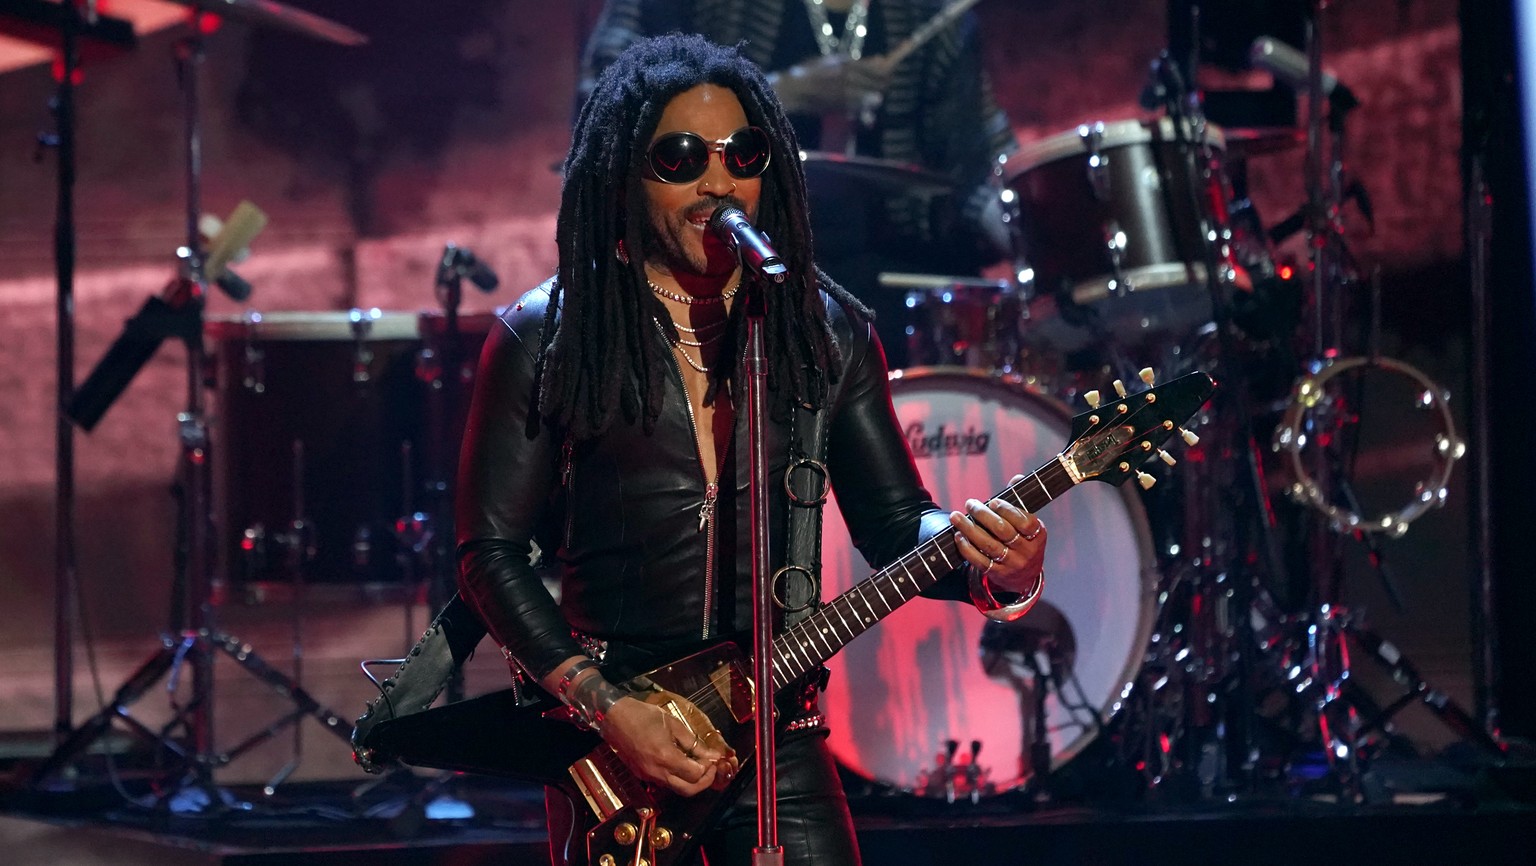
x,y
567,470
707,507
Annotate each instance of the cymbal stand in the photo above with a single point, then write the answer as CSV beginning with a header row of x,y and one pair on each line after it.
x,y
192,637
1205,650
66,580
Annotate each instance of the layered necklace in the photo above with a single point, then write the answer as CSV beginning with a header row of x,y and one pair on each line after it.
x,y
850,43
704,335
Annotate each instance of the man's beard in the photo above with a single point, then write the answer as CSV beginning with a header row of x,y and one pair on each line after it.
x,y
665,240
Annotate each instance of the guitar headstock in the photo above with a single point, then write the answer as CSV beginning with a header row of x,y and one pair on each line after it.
x,y
1111,440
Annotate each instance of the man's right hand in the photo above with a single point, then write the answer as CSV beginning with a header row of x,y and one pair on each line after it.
x,y
662,748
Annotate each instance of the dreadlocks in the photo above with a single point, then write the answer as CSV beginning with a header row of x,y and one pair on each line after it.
x,y
597,356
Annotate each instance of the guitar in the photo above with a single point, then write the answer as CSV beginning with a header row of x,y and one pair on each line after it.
x,y
530,737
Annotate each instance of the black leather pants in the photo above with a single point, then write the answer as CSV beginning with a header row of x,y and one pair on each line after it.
x,y
815,828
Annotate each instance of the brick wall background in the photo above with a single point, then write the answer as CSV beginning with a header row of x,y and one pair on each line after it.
x,y
365,170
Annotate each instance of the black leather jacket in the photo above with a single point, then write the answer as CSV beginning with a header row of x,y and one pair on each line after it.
x,y
642,559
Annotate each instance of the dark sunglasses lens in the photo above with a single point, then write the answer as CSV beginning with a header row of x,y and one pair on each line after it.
x,y
747,152
679,157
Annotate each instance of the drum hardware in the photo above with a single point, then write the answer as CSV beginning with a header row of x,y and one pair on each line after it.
x,y
414,532
953,780
445,405
362,357
253,362
1187,725
192,637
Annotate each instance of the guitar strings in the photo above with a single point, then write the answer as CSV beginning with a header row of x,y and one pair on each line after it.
x,y
708,697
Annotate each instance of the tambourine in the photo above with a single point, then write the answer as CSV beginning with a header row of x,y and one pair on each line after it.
x,y
1291,437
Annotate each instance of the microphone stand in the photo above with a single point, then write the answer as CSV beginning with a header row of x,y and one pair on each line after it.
x,y
768,851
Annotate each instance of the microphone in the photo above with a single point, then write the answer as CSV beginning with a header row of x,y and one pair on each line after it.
x,y
459,261
1290,66
738,233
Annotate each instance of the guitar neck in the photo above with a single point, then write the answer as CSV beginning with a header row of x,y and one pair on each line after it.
x,y
819,636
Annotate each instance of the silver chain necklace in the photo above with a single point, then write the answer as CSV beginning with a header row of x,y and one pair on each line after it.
x,y
851,43
718,323
697,365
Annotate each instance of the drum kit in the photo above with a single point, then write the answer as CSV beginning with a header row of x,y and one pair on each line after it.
x,y
1163,645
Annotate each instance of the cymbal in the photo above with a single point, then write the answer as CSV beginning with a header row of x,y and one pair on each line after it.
x,y
882,175
29,31
270,13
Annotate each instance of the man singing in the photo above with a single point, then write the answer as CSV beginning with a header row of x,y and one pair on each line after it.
x,y
606,426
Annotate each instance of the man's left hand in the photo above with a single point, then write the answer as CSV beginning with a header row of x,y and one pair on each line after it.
x,y
1004,541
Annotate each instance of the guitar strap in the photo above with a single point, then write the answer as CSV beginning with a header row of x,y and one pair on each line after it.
x,y
798,582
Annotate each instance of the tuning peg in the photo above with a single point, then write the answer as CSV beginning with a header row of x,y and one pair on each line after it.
x,y
1166,457
1189,436
1146,481
1091,398
1120,387
1148,376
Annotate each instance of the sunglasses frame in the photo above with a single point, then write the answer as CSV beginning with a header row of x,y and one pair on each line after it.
x,y
716,146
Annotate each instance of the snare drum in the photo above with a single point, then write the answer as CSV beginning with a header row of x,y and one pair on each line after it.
x,y
936,671
1110,220
331,416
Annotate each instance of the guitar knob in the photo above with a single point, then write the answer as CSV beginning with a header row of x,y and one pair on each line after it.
x,y
625,834
1119,387
1091,398
661,838
1147,375
607,860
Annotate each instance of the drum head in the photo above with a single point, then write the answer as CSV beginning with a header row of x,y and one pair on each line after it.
x,y
935,671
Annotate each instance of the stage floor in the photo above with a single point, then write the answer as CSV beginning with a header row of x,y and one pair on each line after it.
x,y
332,824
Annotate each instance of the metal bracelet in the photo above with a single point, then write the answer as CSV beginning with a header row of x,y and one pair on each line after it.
x,y
563,688
991,608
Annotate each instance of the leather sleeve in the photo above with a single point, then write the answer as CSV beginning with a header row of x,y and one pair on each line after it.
x,y
881,496
508,476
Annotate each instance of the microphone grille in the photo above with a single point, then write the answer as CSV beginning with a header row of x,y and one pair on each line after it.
x,y
723,213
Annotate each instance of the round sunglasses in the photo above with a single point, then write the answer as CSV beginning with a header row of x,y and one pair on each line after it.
x,y
683,157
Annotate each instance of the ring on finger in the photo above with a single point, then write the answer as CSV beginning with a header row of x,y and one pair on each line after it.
x,y
1039,528
1016,536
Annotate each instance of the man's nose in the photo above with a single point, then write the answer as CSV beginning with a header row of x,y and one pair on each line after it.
x,y
716,181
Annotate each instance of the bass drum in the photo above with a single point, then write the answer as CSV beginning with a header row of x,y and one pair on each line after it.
x,y
937,672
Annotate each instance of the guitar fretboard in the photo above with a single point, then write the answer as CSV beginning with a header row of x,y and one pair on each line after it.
x,y
819,636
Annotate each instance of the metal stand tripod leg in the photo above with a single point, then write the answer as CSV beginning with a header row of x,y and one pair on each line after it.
x,y
191,596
